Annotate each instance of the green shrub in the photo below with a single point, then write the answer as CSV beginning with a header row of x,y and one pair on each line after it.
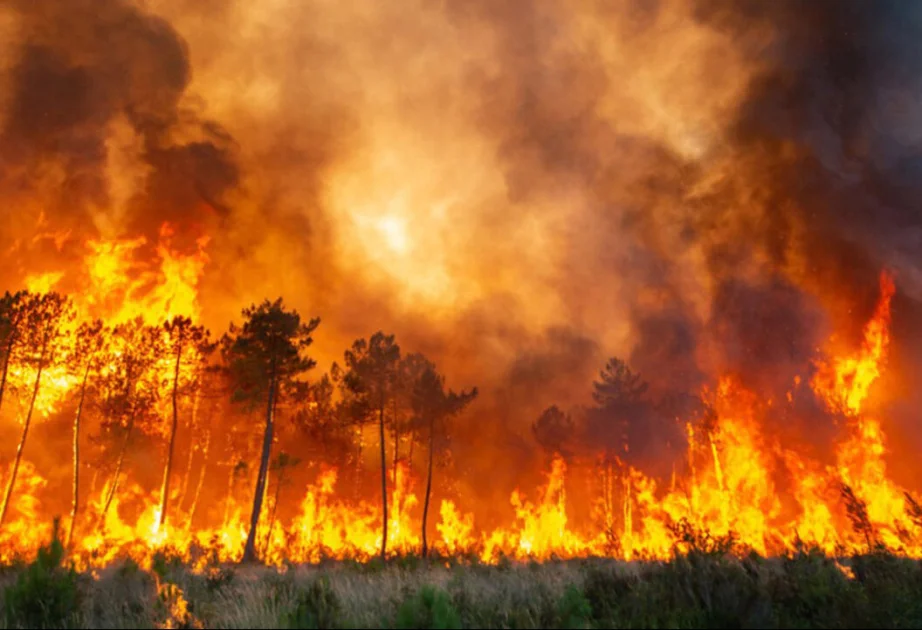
x,y
574,610
45,593
429,608
316,607
811,592
892,590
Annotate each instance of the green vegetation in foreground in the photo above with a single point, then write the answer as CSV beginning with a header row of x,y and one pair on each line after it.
x,y
700,589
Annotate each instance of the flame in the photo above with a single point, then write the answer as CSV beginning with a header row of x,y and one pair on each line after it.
x,y
178,615
121,284
730,494
845,382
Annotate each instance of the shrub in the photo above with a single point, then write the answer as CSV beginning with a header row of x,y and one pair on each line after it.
x,y
429,608
45,593
316,607
574,610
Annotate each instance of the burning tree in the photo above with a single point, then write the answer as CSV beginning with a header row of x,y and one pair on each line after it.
x,y
88,357
432,407
11,313
370,382
324,424
38,323
265,356
130,388
189,346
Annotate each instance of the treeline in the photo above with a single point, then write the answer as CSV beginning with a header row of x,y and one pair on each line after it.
x,y
138,379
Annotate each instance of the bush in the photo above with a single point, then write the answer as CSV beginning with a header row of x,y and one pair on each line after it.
x,y
45,593
429,608
316,607
695,591
811,592
574,610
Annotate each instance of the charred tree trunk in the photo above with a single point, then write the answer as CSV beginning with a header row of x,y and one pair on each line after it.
x,y
357,470
191,455
428,485
165,487
25,432
118,466
129,392
75,505
249,552
201,478
275,507
396,441
383,482
230,493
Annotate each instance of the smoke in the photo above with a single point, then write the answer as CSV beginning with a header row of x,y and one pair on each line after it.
x,y
517,189
96,137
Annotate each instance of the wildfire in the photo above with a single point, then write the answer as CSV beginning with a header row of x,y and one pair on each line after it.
x,y
730,491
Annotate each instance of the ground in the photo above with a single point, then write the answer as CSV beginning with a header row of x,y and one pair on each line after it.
x,y
698,589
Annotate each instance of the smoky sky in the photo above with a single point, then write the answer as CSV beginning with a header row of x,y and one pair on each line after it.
x,y
83,70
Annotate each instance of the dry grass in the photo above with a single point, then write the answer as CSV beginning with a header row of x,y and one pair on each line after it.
x,y
699,590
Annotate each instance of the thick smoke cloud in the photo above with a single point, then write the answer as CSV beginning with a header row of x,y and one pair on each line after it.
x,y
517,189
96,137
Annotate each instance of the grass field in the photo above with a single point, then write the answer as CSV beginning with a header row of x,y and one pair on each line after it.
x,y
701,588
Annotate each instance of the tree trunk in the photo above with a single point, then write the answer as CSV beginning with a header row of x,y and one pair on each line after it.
x,y
118,466
183,492
76,499
383,482
165,488
25,432
275,507
129,392
230,493
428,485
357,471
396,441
201,478
6,364
249,552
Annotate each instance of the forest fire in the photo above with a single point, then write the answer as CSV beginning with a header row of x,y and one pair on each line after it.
x,y
680,301
124,375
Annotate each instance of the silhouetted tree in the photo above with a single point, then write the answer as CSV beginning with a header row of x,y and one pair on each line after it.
x,y
264,356
620,397
188,345
323,424
371,378
411,369
40,328
432,406
555,431
87,358
11,313
617,385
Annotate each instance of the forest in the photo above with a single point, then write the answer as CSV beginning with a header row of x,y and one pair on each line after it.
x,y
328,466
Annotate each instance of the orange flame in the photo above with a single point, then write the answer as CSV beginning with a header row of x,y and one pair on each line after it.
x,y
732,488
